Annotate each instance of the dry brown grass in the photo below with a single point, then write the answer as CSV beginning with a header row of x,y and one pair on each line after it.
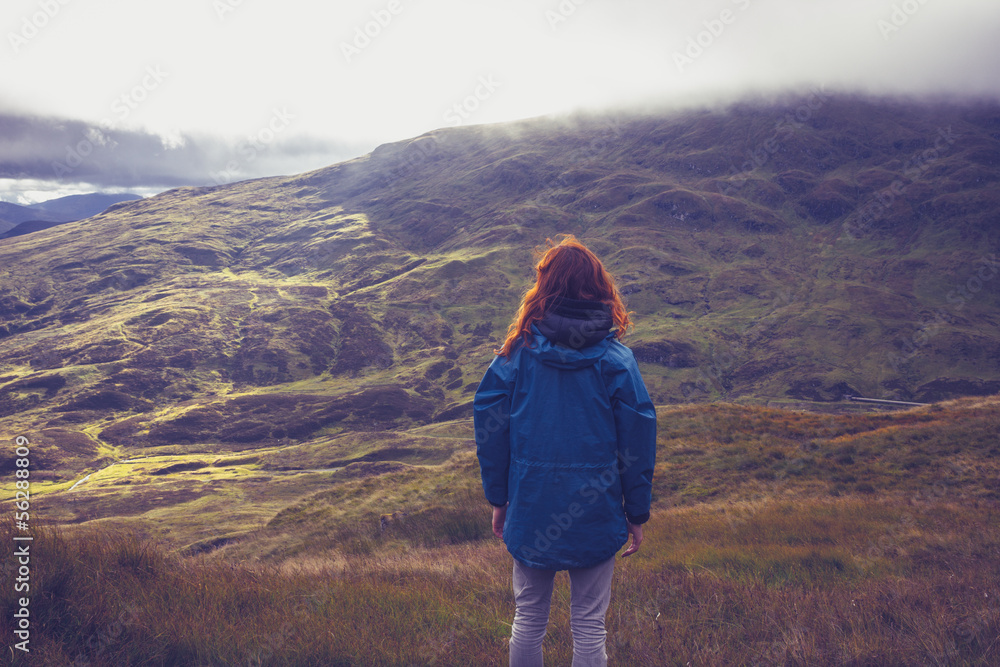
x,y
782,568
847,581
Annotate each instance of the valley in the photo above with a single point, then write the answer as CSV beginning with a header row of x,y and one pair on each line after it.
x,y
252,402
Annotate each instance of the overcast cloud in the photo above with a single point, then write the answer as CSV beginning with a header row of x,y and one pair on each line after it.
x,y
159,94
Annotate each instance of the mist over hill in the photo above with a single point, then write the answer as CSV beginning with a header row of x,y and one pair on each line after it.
x,y
799,249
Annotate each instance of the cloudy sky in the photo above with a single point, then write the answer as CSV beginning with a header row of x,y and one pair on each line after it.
x,y
141,96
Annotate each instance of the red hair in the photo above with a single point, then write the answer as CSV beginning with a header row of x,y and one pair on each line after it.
x,y
568,269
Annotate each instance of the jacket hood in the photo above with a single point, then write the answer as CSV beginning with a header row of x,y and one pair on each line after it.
x,y
573,333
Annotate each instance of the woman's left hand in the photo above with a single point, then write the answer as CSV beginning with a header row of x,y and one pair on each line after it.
x,y
499,516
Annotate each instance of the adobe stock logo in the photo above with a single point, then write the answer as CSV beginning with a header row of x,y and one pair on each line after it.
x,y
866,219
900,16
32,25
562,13
591,491
255,144
705,39
122,107
223,7
127,102
460,112
363,35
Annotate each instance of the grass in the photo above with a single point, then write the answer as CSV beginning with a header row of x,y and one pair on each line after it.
x,y
788,585
737,567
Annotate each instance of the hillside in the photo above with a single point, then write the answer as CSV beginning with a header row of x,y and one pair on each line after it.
x,y
29,226
788,251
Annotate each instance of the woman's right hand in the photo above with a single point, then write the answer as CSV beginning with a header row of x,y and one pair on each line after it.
x,y
636,532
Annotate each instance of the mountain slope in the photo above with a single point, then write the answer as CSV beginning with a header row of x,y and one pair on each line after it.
x,y
800,249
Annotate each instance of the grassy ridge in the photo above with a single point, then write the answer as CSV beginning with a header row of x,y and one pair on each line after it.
x,y
791,567
792,585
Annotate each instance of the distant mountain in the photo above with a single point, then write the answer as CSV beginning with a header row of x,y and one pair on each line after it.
x,y
16,220
800,250
78,207
15,214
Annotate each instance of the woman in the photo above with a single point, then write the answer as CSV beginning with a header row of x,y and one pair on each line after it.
x,y
566,439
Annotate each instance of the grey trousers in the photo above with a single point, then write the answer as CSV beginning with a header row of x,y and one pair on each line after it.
x,y
590,594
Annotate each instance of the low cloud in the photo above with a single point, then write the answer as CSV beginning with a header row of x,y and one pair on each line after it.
x,y
58,151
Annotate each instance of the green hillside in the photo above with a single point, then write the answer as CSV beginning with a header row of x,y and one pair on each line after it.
x,y
774,252
248,421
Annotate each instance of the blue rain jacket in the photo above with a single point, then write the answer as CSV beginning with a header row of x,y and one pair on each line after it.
x,y
567,437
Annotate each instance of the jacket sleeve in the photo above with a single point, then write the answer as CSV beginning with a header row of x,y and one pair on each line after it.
x,y
635,423
491,418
